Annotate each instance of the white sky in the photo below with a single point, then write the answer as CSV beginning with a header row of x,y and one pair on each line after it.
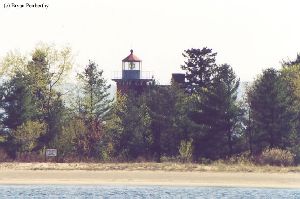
x,y
248,35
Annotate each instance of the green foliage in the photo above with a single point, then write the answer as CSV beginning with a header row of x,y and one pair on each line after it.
x,y
217,112
291,63
64,141
151,125
270,108
93,107
29,93
46,70
80,138
291,77
26,135
241,158
186,151
17,102
230,112
277,157
182,127
128,128
113,128
107,152
2,139
95,102
4,156
162,111
200,67
13,63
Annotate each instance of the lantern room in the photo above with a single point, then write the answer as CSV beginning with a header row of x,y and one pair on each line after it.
x,y
131,67
132,77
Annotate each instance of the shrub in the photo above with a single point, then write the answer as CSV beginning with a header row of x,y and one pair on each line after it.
x,y
30,157
27,135
186,151
107,152
4,157
277,157
203,160
165,158
242,158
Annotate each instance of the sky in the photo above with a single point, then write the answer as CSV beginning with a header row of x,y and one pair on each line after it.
x,y
248,35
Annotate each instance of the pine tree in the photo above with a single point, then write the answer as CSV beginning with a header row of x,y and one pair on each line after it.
x,y
217,110
95,105
200,67
17,102
270,111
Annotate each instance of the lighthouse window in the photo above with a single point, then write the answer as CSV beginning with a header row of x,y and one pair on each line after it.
x,y
131,65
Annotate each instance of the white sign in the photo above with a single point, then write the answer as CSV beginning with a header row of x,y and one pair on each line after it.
x,y
51,152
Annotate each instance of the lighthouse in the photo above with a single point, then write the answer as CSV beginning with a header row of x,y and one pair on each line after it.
x,y
131,78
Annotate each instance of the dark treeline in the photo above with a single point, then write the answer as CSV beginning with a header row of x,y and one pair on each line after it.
x,y
201,120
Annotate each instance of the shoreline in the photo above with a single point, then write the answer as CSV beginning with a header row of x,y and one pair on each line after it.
x,y
150,178
150,166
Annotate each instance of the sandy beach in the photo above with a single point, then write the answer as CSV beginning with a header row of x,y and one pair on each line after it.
x,y
224,179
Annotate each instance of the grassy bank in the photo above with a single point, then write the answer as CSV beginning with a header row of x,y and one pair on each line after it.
x,y
149,166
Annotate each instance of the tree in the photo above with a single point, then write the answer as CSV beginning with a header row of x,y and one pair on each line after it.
x,y
248,120
290,76
114,128
217,111
27,134
128,128
17,102
288,63
47,69
180,128
220,115
227,85
18,107
95,102
161,107
95,105
66,141
200,67
41,75
271,113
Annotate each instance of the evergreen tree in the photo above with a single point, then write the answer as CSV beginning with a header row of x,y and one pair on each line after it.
x,y
200,67
46,70
128,129
270,111
231,113
161,109
181,127
18,107
95,105
217,111
291,79
17,102
30,93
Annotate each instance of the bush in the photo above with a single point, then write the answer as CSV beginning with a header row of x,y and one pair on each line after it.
x,y
242,158
295,149
186,151
4,157
30,157
165,158
27,135
107,152
277,157
203,160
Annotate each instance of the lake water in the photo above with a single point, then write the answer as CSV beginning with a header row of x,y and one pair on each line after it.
x,y
79,191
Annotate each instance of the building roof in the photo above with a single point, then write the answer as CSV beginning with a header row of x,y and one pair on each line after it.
x,y
131,58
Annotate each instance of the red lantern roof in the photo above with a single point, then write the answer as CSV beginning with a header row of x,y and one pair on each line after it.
x,y
131,58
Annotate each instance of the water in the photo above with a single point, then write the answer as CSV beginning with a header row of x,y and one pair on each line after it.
x,y
79,191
